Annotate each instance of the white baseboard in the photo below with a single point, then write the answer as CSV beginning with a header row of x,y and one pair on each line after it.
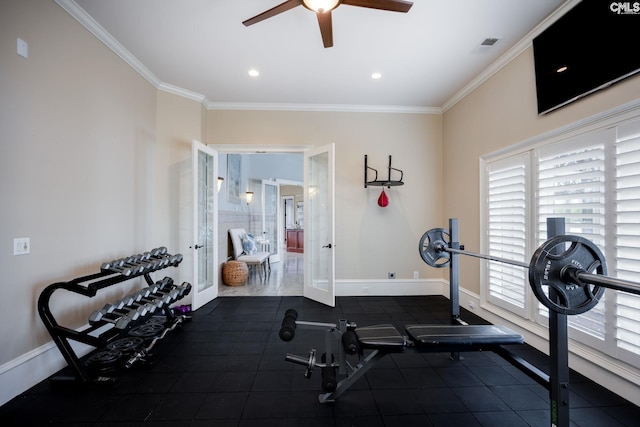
x,y
24,372
387,287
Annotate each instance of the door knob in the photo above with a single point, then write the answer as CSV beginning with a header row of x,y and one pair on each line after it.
x,y
196,247
328,246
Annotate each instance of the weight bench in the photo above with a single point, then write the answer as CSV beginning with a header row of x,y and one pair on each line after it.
x,y
380,340
438,338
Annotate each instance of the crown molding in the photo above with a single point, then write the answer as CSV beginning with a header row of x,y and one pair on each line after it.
x,y
103,35
194,96
323,108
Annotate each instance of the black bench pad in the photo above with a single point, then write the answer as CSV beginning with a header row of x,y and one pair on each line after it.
x,y
380,336
462,335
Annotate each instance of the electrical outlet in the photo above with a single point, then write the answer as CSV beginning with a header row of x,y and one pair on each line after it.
x,y
472,305
392,275
23,48
21,246
416,274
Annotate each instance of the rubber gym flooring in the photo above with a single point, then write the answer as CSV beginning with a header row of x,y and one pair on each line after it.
x,y
226,368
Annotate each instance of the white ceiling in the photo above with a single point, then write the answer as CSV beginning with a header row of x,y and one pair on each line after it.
x,y
428,57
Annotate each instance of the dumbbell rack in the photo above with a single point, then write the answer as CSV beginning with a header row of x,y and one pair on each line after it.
x,y
105,330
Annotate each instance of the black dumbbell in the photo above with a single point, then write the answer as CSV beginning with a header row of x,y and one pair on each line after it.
x,y
175,259
147,296
117,266
165,283
187,288
124,265
151,264
115,305
120,318
118,306
165,297
144,306
137,263
158,252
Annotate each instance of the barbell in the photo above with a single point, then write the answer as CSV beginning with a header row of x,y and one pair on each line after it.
x,y
572,266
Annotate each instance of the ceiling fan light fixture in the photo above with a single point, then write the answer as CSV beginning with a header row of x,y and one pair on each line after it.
x,y
321,6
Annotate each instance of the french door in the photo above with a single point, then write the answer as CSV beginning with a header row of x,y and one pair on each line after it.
x,y
319,219
205,224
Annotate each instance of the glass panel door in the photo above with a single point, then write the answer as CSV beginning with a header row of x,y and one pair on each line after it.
x,y
319,216
205,223
269,238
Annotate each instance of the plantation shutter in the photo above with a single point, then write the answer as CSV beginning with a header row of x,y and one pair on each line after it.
x,y
507,182
628,239
571,184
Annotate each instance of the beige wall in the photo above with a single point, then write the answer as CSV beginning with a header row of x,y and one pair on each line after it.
x,y
77,131
501,113
370,241
179,122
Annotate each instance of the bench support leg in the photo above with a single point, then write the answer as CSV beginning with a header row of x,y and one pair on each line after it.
x,y
354,376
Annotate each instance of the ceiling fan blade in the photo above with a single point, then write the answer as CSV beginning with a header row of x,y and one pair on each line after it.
x,y
326,28
283,7
392,5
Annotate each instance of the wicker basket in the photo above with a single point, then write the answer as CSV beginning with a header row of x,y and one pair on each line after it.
x,y
235,273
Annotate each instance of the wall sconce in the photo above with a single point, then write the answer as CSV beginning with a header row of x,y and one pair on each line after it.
x,y
249,196
220,181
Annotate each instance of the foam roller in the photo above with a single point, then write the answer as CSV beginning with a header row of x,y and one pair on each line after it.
x,y
350,342
288,328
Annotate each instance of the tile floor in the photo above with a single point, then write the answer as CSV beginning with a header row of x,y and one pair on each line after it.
x,y
226,367
286,279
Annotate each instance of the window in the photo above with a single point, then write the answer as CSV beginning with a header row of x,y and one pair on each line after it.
x,y
627,231
592,180
506,231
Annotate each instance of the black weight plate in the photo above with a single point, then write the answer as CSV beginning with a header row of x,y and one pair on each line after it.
x,y
430,247
127,344
103,360
158,320
146,330
550,268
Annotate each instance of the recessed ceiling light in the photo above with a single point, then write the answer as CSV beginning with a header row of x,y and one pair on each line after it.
x,y
562,69
254,73
376,76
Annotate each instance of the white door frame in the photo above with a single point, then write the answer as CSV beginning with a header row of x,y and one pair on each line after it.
x,y
263,149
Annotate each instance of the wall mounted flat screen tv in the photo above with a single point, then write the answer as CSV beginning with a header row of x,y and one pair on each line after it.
x,y
592,46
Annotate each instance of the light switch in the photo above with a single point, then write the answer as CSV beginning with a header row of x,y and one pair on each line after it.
x,y
21,246
23,48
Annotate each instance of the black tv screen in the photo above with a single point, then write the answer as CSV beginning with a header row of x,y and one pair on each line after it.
x,y
592,46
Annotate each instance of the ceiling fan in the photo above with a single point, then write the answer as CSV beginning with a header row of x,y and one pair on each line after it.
x,y
323,9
